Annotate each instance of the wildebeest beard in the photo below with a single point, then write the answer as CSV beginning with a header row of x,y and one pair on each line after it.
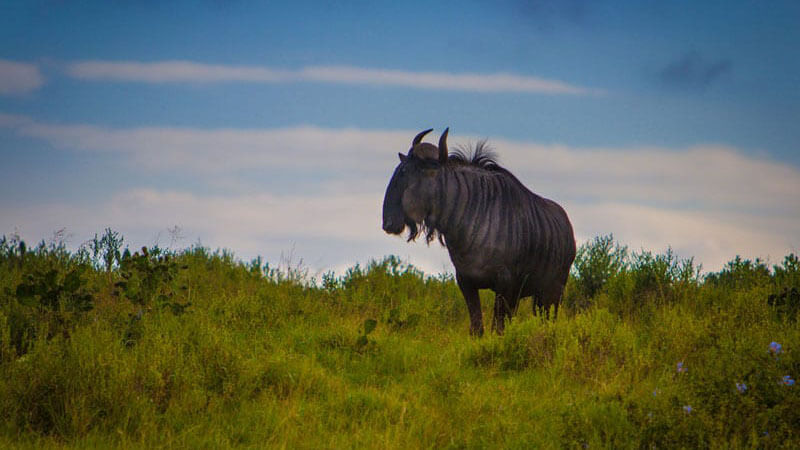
x,y
431,233
413,231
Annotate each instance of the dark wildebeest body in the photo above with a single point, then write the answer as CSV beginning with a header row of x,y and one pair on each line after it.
x,y
499,234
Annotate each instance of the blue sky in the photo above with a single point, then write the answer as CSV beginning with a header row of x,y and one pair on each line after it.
x,y
273,129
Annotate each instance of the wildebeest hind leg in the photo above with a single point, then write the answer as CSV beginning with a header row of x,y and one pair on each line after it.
x,y
505,306
551,297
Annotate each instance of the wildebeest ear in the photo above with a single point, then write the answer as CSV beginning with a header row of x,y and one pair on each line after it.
x,y
402,157
443,147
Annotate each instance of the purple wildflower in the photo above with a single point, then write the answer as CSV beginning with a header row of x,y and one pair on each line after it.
x,y
682,368
788,380
688,409
741,387
775,348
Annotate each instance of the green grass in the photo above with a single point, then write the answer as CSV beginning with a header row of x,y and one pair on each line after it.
x,y
195,349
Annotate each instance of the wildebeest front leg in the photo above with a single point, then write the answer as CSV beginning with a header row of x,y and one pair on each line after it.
x,y
473,305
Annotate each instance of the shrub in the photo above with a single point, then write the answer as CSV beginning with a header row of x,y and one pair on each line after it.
x,y
663,276
148,279
45,292
596,262
650,280
785,296
740,274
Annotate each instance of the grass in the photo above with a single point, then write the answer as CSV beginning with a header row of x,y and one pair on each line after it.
x,y
193,349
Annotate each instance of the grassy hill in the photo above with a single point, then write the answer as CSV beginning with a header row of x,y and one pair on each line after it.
x,y
112,348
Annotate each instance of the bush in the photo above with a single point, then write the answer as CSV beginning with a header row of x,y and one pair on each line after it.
x,y
148,279
604,270
596,262
741,274
664,277
45,292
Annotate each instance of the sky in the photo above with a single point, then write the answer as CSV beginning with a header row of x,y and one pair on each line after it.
x,y
272,128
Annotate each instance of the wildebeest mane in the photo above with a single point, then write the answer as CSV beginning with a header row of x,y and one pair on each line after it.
x,y
478,155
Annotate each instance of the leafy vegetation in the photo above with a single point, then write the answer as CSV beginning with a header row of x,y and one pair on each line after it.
x,y
108,348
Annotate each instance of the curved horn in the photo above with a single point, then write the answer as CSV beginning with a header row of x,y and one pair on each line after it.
x,y
443,147
418,138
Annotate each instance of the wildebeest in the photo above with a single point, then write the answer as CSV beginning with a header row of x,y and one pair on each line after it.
x,y
499,234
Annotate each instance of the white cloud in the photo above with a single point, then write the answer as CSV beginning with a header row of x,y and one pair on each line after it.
x,y
705,201
318,216
499,82
174,72
222,150
19,78
712,236
698,177
328,231
187,71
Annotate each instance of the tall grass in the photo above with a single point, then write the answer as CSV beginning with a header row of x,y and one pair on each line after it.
x,y
108,347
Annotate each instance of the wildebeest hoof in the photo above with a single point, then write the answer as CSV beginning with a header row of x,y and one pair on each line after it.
x,y
476,332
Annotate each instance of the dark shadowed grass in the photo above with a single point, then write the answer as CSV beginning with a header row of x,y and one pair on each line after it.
x,y
196,349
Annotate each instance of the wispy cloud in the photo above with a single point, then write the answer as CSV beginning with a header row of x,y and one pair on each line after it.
x,y
711,202
19,78
695,177
192,72
698,177
210,151
710,235
174,72
499,82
